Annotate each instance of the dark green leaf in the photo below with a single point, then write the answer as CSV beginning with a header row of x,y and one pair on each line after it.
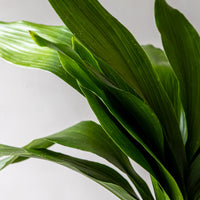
x,y
137,112
70,63
193,177
130,147
170,83
182,45
110,41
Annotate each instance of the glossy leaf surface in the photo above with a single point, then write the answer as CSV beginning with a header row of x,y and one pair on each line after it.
x,y
17,46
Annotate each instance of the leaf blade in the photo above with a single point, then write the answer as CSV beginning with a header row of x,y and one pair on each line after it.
x,y
89,21
177,36
26,53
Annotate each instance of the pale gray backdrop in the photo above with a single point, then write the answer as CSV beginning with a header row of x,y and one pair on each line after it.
x,y
35,103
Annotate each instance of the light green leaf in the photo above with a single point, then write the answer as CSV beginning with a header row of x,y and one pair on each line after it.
x,y
6,150
102,174
182,45
4,162
17,46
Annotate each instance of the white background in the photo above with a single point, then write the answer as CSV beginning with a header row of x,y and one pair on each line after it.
x,y
35,103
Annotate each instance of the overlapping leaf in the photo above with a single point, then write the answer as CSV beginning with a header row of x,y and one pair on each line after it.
x,y
131,148
170,83
182,45
101,174
159,192
16,46
134,110
92,82
110,41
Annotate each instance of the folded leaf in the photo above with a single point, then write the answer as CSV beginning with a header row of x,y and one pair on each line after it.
x,y
16,46
101,174
182,45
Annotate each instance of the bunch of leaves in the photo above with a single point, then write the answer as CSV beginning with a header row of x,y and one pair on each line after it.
x,y
146,100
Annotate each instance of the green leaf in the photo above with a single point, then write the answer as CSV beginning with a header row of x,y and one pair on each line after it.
x,y
170,83
135,109
70,62
88,136
130,147
127,108
102,174
6,150
101,66
159,192
138,113
26,53
182,45
107,39
193,177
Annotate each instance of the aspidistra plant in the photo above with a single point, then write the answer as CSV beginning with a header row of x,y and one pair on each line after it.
x,y
146,100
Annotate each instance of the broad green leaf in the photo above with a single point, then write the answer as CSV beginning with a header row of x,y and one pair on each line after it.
x,y
107,39
89,136
83,78
16,46
100,173
128,109
137,112
70,62
134,108
130,147
169,82
182,45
